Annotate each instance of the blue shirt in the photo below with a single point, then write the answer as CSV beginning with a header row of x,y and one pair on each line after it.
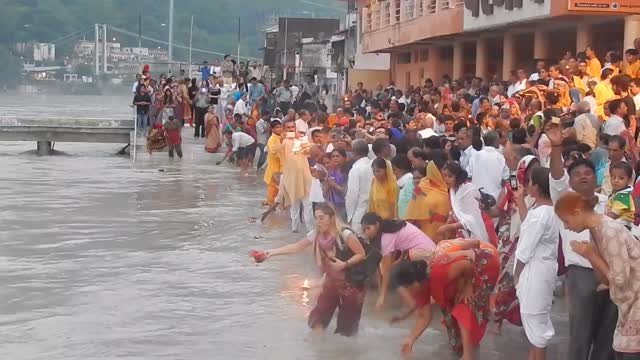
x,y
255,92
204,71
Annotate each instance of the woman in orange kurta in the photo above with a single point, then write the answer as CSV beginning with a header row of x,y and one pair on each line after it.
x,y
459,276
429,206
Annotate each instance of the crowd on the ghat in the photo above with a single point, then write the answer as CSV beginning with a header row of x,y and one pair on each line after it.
x,y
479,197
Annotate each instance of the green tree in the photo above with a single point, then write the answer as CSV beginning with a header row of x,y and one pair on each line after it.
x,y
10,71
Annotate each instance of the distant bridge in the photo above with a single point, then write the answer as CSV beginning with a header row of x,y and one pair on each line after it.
x,y
45,131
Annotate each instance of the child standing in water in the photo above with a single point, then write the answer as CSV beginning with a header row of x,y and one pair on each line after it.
x,y
172,128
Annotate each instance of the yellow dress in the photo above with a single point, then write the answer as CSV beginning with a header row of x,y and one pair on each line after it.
x,y
632,70
274,165
602,92
383,197
579,84
594,68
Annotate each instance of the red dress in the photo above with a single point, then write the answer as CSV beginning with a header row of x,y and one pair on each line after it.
x,y
474,316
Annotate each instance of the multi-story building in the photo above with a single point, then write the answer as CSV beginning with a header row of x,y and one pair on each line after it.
x,y
36,51
431,38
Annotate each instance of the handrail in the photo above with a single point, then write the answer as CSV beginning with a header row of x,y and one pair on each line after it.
x,y
385,13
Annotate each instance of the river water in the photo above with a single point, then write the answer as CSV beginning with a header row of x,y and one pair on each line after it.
x,y
101,258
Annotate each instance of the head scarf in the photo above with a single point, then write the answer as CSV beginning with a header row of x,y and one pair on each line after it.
x,y
429,205
523,165
383,197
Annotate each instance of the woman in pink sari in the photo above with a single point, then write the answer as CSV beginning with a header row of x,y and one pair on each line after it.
x,y
212,131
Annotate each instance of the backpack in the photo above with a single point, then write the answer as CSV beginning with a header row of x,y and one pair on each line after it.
x,y
359,273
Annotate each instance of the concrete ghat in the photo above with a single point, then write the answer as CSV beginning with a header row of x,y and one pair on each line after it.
x,y
45,131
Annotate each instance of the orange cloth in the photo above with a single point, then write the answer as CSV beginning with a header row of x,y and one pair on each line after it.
x,y
272,192
429,206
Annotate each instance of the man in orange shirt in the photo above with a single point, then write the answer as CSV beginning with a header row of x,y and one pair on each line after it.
x,y
594,67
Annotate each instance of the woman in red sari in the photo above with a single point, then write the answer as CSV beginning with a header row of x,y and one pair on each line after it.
x,y
459,275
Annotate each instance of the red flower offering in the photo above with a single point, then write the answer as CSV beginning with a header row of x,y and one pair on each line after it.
x,y
258,256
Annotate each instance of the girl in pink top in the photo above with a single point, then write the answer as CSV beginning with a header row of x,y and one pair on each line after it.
x,y
397,238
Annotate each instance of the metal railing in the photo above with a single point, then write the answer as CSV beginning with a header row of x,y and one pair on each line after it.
x,y
384,13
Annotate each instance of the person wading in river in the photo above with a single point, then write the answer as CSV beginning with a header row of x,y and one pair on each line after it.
x,y
330,239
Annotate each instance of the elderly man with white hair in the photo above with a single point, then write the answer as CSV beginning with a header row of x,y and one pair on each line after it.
x,y
427,131
586,125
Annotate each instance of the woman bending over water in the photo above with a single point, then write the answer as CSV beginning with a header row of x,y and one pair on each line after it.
x,y
459,275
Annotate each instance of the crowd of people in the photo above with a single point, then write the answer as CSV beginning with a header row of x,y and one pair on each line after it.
x,y
479,197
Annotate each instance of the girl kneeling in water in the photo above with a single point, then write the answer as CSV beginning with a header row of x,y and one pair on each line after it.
x,y
337,291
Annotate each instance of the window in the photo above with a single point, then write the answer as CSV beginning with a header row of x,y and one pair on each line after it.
x,y
408,78
409,6
404,58
424,55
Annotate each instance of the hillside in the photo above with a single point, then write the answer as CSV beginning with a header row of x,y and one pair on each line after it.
x,y
215,26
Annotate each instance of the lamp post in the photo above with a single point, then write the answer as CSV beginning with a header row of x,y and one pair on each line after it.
x,y
170,33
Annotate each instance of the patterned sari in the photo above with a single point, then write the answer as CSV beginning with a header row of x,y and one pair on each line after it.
x,y
472,316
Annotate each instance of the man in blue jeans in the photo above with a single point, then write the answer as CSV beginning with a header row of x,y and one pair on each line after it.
x,y
142,100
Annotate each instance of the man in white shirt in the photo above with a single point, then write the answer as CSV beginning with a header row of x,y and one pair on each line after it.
x,y
262,132
359,185
463,140
615,123
520,83
634,90
488,168
428,131
592,314
243,145
134,89
241,107
302,124
284,96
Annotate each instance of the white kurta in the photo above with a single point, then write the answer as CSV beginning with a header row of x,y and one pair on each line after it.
x,y
358,188
538,250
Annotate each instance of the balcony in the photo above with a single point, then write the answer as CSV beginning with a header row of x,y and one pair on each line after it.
x,y
391,23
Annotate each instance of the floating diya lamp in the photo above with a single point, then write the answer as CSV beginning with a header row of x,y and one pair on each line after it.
x,y
305,285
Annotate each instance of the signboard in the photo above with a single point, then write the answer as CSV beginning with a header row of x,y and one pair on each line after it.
x,y
481,14
619,6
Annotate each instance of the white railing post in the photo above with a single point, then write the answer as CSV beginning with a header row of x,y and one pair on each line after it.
x,y
135,132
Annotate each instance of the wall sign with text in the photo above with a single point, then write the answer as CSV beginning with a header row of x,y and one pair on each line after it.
x,y
620,6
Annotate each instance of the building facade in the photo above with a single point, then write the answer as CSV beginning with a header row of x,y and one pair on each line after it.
x,y
431,38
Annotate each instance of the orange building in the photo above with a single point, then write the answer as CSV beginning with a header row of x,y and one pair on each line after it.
x,y
431,38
